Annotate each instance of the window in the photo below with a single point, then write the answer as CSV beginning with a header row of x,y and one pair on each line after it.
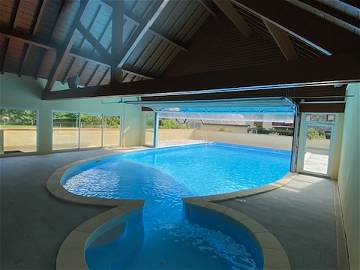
x,y
149,128
65,130
78,130
19,128
322,117
111,130
90,131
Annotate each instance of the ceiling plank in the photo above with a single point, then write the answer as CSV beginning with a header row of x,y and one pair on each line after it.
x,y
314,31
35,28
117,37
74,52
12,25
103,76
65,49
283,41
295,74
92,75
234,16
140,31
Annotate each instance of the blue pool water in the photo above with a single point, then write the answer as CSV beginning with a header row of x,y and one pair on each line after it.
x,y
162,177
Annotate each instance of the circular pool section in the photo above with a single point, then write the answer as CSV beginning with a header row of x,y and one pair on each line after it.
x,y
162,177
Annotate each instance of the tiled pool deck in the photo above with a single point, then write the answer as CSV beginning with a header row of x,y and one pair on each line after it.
x,y
34,224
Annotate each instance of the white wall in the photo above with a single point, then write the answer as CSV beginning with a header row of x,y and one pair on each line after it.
x,y
349,176
25,93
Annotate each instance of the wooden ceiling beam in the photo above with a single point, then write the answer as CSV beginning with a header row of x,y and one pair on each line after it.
x,y
35,28
207,7
12,25
158,34
283,41
323,36
94,42
151,30
65,49
234,16
141,30
73,53
296,74
117,38
338,107
294,93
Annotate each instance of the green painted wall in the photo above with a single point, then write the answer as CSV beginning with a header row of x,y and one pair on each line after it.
x,y
349,176
25,93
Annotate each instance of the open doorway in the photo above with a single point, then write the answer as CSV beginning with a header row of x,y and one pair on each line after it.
x,y
317,142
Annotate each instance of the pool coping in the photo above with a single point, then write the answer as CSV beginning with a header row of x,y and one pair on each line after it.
x,y
71,254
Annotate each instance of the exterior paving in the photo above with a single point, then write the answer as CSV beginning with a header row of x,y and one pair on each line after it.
x,y
302,216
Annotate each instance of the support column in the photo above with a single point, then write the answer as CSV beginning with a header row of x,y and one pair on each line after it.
x,y
44,132
295,143
156,129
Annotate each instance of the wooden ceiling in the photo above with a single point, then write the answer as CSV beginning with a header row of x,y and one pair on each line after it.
x,y
34,34
58,39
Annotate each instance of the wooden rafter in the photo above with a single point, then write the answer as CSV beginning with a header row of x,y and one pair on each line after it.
x,y
12,25
81,43
73,53
93,50
283,41
234,16
65,49
151,30
140,32
94,42
295,74
116,37
49,38
207,7
35,28
326,38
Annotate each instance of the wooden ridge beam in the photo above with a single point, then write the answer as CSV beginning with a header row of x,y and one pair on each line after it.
x,y
65,49
316,72
325,37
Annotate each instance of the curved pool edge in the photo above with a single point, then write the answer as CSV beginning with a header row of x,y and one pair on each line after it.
x,y
273,253
71,254
248,192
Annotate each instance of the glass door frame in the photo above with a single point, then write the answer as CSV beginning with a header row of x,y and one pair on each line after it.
x,y
303,138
